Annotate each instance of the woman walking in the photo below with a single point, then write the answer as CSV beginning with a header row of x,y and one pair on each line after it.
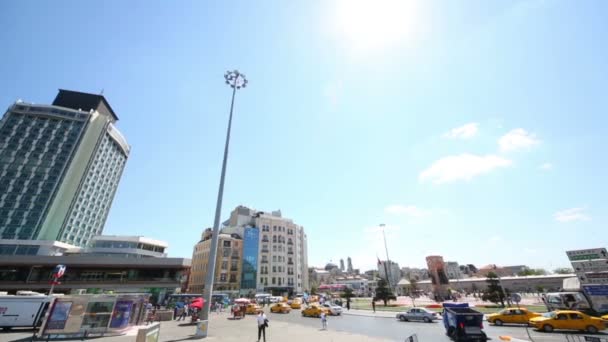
x,y
262,325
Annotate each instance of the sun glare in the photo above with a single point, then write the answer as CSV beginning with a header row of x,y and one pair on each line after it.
x,y
375,24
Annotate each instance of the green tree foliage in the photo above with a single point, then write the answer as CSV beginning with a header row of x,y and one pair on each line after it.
x,y
384,293
494,292
348,294
532,271
563,270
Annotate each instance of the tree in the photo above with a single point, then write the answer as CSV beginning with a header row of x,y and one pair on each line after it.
x,y
563,270
348,294
532,271
313,289
383,292
413,290
494,292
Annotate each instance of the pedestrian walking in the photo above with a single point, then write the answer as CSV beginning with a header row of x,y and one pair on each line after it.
x,y
374,305
184,313
262,325
348,304
323,321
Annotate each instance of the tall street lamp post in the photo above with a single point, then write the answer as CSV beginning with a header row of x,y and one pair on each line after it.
x,y
235,80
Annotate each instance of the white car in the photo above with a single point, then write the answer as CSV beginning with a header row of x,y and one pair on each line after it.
x,y
418,314
334,310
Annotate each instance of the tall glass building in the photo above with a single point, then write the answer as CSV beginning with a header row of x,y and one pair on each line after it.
x,y
250,259
60,165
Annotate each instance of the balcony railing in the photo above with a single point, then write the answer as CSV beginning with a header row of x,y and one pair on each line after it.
x,y
233,269
289,243
290,252
264,261
265,240
290,263
265,251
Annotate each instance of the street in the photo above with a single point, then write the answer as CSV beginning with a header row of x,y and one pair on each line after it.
x,y
347,328
393,329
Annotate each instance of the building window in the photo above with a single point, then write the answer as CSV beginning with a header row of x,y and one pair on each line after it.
x,y
274,268
226,252
226,243
223,277
224,265
273,280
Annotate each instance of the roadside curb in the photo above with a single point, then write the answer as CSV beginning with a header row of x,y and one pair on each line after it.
x,y
367,315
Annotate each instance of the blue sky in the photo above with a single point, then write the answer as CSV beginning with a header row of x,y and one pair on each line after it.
x,y
472,129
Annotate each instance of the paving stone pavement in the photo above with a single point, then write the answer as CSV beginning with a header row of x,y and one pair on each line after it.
x,y
223,328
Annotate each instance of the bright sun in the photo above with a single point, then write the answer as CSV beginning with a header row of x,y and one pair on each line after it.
x,y
375,24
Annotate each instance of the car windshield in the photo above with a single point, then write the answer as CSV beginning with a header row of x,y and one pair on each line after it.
x,y
549,314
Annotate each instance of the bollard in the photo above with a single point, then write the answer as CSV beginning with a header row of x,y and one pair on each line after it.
x,y
201,328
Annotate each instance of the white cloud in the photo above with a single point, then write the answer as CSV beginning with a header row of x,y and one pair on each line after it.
x,y
467,131
517,139
572,214
461,167
407,210
546,166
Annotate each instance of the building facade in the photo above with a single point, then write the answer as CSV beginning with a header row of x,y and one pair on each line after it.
x,y
228,267
60,165
453,270
394,272
127,246
438,275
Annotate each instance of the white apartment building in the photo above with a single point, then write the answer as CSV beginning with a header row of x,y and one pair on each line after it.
x,y
282,265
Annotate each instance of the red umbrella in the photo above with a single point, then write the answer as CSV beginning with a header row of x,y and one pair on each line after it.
x,y
197,303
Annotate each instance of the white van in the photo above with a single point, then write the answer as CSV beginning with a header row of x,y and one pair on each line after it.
x,y
23,311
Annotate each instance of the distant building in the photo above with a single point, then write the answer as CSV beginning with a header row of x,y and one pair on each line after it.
x,y
60,166
394,272
127,246
342,265
274,254
360,286
501,271
550,283
453,270
414,273
349,265
320,276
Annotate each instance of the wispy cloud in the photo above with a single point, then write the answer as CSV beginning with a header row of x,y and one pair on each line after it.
x,y
406,210
462,167
572,214
467,131
517,139
546,166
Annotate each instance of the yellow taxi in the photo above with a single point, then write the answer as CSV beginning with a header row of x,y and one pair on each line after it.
x,y
280,308
252,309
314,310
568,320
296,303
605,317
512,316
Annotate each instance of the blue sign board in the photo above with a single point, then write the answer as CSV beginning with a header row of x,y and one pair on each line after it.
x,y
599,290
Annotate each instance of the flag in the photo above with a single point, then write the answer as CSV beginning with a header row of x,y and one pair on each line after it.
x,y
379,262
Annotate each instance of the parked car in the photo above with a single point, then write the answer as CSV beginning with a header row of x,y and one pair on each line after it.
x,y
334,310
512,316
280,308
418,314
314,310
252,309
568,320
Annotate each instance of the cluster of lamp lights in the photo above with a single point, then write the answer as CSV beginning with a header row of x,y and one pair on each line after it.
x,y
235,79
